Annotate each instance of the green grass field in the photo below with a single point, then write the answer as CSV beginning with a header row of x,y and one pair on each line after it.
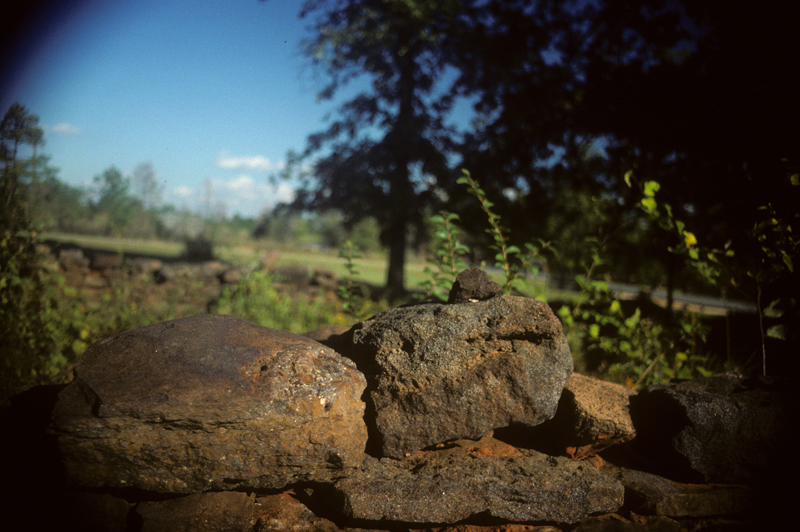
x,y
371,268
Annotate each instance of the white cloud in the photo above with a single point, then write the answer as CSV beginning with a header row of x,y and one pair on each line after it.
x,y
183,191
248,196
65,129
257,162
243,182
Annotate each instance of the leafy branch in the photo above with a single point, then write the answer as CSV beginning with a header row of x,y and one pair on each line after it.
x,y
448,258
775,241
511,259
352,294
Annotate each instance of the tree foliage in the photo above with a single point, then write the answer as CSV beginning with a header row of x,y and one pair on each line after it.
x,y
114,200
386,150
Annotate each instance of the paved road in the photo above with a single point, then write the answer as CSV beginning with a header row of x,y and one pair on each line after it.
x,y
699,303
712,305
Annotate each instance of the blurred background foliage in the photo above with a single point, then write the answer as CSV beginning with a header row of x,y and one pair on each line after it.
x,y
578,106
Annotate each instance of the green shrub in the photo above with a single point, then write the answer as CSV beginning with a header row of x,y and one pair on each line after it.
x,y
256,299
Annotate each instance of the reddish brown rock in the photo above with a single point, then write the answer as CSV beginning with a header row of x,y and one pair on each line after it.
x,y
511,527
209,402
283,511
617,523
202,512
592,415
464,480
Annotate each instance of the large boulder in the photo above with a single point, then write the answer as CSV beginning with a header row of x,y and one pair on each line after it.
x,y
468,478
722,429
438,372
209,402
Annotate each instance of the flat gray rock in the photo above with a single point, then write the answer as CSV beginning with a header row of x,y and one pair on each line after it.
x,y
209,402
438,372
470,478
654,495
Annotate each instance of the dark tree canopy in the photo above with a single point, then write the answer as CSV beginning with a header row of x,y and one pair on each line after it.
x,y
568,97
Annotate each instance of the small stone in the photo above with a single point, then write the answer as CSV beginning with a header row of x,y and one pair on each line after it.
x,y
284,512
473,285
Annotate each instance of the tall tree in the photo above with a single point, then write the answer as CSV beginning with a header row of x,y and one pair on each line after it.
x,y
384,155
147,188
114,200
17,128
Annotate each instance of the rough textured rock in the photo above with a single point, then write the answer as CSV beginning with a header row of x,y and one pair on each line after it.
x,y
274,513
721,429
327,333
202,512
464,479
592,415
511,527
209,402
438,372
92,512
616,523
654,495
473,285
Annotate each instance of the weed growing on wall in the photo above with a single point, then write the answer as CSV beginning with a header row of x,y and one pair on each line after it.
x,y
511,259
629,346
448,257
352,294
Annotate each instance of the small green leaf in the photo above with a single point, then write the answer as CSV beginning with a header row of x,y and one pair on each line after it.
x,y
772,310
650,188
777,331
627,177
787,260
649,204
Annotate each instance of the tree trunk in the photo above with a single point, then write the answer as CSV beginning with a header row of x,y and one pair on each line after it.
x,y
401,193
395,276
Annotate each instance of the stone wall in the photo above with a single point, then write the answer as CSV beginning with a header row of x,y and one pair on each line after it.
x,y
462,416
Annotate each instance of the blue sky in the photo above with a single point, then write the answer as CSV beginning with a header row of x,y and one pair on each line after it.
x,y
203,90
